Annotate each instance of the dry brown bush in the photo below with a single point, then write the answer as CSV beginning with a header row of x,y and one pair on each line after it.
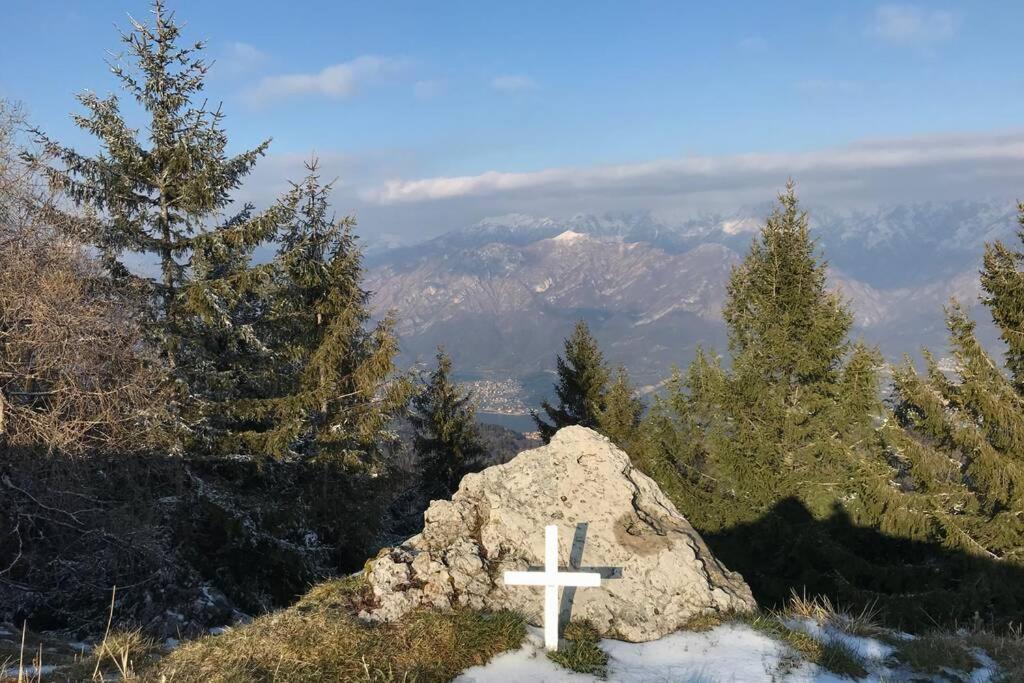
x,y
74,376
81,415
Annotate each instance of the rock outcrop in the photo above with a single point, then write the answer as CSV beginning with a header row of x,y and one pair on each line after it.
x,y
658,573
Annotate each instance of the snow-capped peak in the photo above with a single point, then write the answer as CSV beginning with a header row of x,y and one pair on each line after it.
x,y
740,225
569,237
512,221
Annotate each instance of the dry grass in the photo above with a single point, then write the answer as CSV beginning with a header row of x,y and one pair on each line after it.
x,y
939,651
930,653
122,655
707,621
320,638
25,654
821,610
1007,650
934,653
833,656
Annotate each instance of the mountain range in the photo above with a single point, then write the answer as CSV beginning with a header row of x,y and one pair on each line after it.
x,y
501,294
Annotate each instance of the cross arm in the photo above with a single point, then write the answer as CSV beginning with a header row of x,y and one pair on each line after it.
x,y
583,579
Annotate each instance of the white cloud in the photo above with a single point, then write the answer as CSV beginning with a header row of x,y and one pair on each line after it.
x,y
513,83
913,25
239,58
857,163
337,81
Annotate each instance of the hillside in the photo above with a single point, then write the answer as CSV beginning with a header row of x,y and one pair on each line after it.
x,y
501,294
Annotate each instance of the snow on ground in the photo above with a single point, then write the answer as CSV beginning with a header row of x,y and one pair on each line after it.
x,y
730,652
865,648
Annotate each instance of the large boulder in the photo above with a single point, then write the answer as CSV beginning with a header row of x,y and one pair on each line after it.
x,y
612,518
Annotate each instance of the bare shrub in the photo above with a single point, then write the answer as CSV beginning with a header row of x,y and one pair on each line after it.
x,y
73,372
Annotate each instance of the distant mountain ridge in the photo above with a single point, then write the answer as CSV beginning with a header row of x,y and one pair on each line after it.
x,y
502,293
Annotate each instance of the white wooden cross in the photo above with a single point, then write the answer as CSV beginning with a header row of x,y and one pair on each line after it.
x,y
551,579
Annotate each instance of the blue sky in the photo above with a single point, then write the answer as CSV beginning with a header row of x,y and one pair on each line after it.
x,y
436,113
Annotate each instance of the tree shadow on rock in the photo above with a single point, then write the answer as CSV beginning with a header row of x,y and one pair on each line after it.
x,y
912,584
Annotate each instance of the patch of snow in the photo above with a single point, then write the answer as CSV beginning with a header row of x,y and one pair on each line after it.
x,y
218,630
740,225
988,669
865,648
569,237
528,663
80,647
171,644
731,652
656,315
543,286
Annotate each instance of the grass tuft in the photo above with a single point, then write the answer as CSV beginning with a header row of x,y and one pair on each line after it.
x,y
320,638
840,659
833,656
936,652
707,621
822,610
581,653
1006,649
122,655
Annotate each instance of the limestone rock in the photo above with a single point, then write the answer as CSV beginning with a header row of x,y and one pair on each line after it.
x,y
658,573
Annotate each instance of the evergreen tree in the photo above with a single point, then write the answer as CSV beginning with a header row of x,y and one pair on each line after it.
x,y
800,477
581,388
791,395
622,411
1002,279
327,387
788,339
964,438
445,434
162,195
859,393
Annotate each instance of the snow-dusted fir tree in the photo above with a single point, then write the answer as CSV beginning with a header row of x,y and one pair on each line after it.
x,y
162,192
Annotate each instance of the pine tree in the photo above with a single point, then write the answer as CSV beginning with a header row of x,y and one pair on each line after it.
x,y
620,416
785,327
797,473
964,437
162,195
328,385
581,388
791,395
445,434
788,340
859,392
1002,279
